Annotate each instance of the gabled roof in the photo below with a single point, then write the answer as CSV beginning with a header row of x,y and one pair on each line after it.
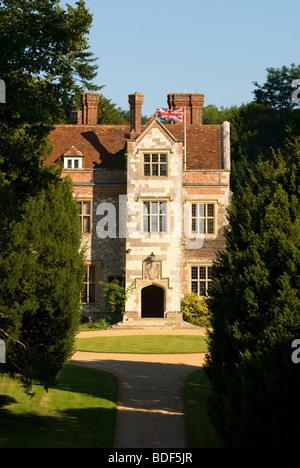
x,y
73,152
154,122
103,146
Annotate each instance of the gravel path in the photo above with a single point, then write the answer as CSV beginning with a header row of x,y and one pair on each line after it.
x,y
150,402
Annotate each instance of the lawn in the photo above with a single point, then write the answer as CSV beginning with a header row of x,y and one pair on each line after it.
x,y
201,433
79,413
144,344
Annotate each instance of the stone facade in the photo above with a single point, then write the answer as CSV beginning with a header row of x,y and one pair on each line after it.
x,y
152,201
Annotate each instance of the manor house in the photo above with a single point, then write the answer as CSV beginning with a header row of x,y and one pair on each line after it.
x,y
152,199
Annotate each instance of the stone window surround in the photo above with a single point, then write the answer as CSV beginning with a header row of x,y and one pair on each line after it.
x,y
159,163
207,201
97,274
157,215
206,264
74,160
90,215
142,152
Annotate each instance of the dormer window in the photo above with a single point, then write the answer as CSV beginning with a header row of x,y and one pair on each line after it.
x,y
73,159
73,163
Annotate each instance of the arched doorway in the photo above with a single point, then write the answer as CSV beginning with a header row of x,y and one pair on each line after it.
x,y
153,300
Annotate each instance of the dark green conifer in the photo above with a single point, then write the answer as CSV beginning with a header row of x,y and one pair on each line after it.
x,y
255,308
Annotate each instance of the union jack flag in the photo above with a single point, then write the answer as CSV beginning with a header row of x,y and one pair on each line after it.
x,y
173,115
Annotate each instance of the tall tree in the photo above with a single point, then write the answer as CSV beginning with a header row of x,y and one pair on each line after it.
x,y
41,268
277,91
41,272
45,59
255,307
108,113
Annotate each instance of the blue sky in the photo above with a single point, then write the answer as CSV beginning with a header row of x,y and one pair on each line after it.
x,y
216,47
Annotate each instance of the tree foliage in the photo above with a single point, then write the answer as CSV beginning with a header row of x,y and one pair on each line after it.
x,y
45,59
41,271
255,307
109,114
277,91
44,62
262,126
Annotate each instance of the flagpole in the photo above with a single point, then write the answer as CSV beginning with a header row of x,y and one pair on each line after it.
x,y
184,138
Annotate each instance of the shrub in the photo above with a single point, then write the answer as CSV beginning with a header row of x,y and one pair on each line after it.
x,y
102,324
195,310
116,294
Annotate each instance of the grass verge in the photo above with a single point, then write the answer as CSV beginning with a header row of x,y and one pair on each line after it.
x,y
144,344
201,433
79,413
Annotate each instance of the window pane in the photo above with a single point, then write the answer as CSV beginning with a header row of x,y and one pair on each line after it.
x,y
92,295
163,208
146,224
194,226
147,170
194,210
69,163
92,274
209,272
76,164
154,158
194,272
154,223
202,226
163,224
210,211
86,224
209,285
147,158
163,170
202,288
154,207
194,287
201,210
202,272
155,169
210,226
163,158
87,208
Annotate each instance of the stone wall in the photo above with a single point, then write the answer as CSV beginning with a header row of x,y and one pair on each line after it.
x,y
165,246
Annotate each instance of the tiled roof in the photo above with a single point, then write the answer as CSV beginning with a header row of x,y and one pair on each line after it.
x,y
103,145
203,145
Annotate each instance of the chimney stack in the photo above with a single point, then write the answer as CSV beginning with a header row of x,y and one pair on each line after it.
x,y
76,117
90,102
193,104
136,101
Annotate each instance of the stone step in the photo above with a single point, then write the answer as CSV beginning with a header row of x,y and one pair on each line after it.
x,y
152,323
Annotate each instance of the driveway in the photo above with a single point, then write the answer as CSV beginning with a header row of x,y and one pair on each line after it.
x,y
150,401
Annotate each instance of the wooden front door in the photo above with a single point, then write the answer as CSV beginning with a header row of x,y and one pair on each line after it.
x,y
153,300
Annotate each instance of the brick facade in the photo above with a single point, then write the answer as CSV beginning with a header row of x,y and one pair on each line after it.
x,y
141,199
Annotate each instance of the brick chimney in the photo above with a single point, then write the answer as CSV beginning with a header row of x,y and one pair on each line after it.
x,y
76,117
90,102
136,101
193,103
